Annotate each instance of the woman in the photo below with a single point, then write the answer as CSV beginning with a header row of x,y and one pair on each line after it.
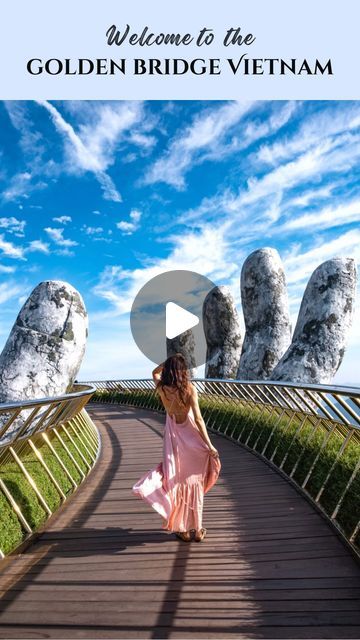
x,y
190,466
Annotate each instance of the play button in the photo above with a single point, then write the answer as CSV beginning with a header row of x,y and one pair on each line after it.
x,y
166,316
178,320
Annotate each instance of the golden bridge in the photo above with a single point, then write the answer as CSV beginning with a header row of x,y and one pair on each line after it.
x,y
82,557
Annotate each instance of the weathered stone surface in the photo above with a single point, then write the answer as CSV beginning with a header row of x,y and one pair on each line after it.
x,y
46,344
324,320
222,332
266,314
184,344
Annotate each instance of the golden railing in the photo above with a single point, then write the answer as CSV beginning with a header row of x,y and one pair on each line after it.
x,y
308,433
61,427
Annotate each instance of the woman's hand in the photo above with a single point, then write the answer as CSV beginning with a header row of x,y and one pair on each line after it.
x,y
156,374
159,368
213,452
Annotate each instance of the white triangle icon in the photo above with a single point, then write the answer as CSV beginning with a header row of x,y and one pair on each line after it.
x,y
178,320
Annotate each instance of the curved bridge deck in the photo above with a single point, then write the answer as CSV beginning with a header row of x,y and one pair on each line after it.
x,y
270,567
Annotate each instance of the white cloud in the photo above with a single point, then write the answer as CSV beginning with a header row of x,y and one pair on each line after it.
x,y
10,250
212,136
31,141
9,290
90,231
126,227
92,147
33,148
91,142
300,264
56,236
110,191
62,219
13,225
324,125
205,252
307,197
326,146
18,186
6,269
81,157
326,157
65,252
135,215
39,245
326,218
264,202
129,227
206,130
21,185
106,124
260,125
77,150
22,300
142,140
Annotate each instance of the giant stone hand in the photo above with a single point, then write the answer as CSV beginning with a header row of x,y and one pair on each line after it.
x,y
323,324
266,314
222,333
44,350
313,354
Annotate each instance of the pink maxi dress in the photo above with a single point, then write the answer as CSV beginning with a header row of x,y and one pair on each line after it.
x,y
175,488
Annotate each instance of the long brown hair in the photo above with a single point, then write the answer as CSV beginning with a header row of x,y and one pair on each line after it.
x,y
176,374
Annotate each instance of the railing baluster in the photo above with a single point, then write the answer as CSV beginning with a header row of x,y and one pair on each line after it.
x,y
26,429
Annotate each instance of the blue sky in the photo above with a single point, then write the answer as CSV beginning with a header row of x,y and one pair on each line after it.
x,y
106,195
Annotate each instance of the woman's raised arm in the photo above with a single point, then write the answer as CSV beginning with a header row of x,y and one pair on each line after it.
x,y
156,374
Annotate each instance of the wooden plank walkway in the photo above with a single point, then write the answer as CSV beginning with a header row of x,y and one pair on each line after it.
x,y
270,567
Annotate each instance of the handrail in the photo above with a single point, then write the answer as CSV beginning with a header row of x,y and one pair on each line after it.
x,y
88,388
316,387
56,429
309,433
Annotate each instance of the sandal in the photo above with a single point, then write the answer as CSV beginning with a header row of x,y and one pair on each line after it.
x,y
183,535
203,533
